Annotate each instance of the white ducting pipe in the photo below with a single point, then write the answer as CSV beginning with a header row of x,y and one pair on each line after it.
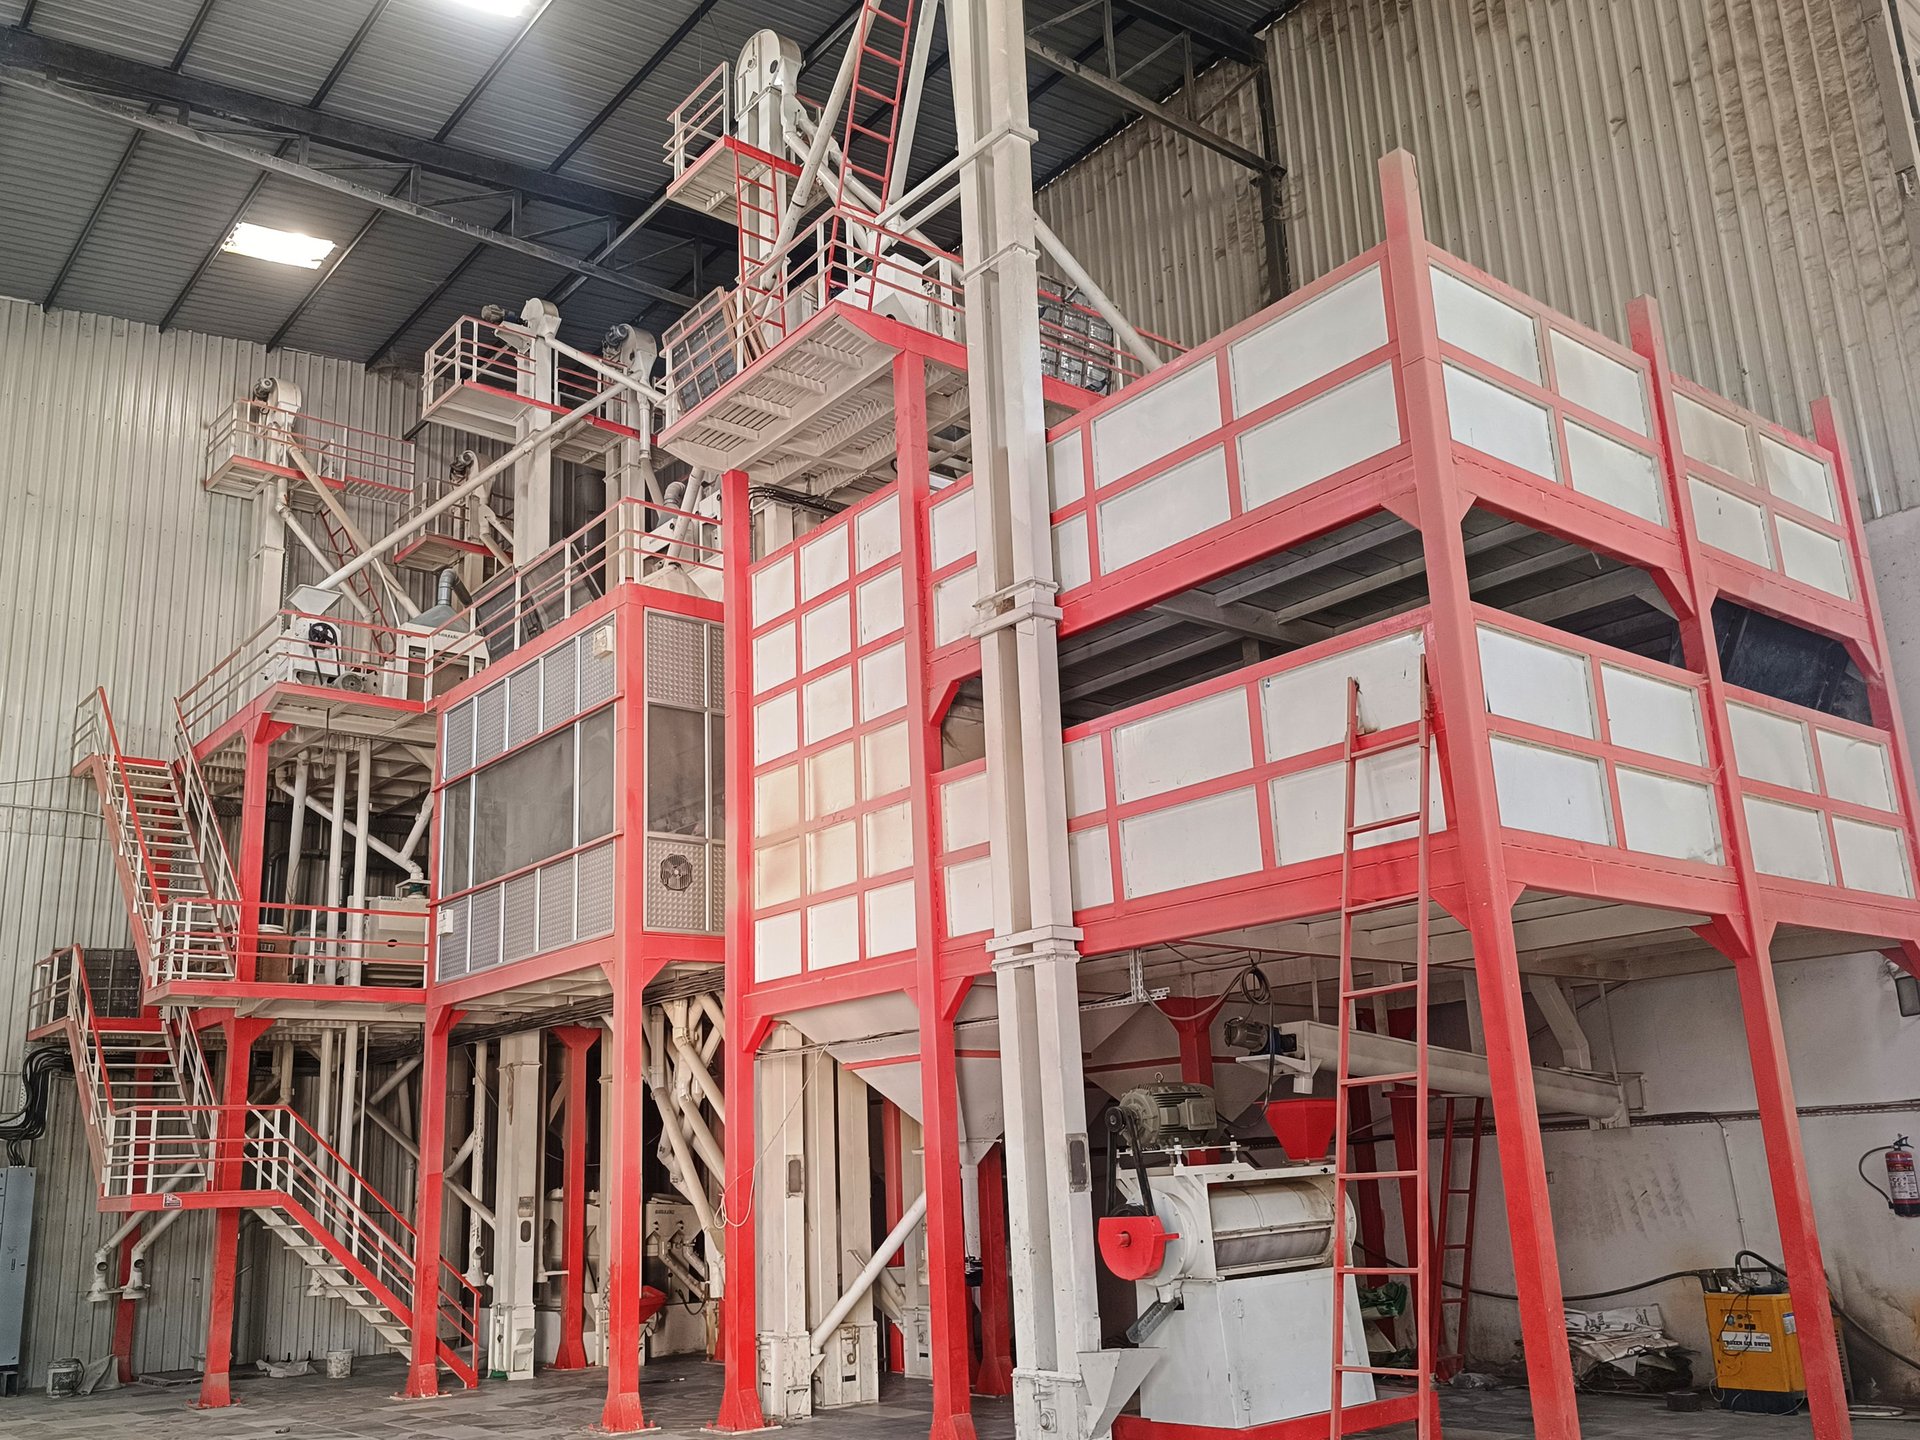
x,y
862,1282
414,836
910,101
816,149
295,826
300,533
695,1193
690,1058
362,832
412,1151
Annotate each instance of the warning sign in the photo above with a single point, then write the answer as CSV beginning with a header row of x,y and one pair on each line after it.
x,y
1746,1341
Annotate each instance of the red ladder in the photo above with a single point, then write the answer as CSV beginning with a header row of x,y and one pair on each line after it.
x,y
1450,1343
758,196
363,584
884,34
1418,1271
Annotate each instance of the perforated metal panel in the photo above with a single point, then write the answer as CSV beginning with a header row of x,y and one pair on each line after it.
x,y
599,673
519,913
677,885
489,723
559,673
716,889
595,870
676,660
556,904
716,668
483,911
450,944
456,751
523,704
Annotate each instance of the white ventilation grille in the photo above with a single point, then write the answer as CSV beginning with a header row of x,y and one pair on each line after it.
x,y
483,910
519,916
450,944
556,904
676,882
523,705
676,660
456,753
558,688
716,889
599,672
490,723
595,893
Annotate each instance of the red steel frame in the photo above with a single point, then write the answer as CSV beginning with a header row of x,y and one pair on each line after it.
x,y
1479,868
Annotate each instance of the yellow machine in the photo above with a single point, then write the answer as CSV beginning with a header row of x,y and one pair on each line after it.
x,y
1755,1344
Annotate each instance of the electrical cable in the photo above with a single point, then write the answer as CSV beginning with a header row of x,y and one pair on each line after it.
x,y
1861,1166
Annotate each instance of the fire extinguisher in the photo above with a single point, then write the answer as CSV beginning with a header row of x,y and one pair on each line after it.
x,y
1903,1182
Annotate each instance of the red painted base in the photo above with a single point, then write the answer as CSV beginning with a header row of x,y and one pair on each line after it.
x,y
215,1393
423,1383
623,1416
952,1427
572,1357
740,1413
994,1376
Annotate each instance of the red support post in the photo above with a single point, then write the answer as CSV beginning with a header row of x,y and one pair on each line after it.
x,y
995,1373
578,1039
895,1204
423,1371
1455,665
125,1312
228,1173
621,1178
256,784
1193,1023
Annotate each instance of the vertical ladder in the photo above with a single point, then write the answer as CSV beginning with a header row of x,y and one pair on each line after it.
x,y
1456,1280
759,192
885,36
1417,1271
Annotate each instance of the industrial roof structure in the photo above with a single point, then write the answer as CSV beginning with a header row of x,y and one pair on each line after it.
x,y
545,127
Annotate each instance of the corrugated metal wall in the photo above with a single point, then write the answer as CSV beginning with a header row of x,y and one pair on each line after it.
x,y
1740,160
119,572
1731,157
1171,230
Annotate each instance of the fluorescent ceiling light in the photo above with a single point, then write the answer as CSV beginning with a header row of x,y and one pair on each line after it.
x,y
283,247
506,9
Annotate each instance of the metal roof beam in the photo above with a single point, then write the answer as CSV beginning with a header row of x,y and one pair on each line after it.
x,y
264,160
1183,17
22,52
1126,95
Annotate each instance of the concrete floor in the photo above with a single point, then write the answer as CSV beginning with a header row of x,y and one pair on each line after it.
x,y
681,1396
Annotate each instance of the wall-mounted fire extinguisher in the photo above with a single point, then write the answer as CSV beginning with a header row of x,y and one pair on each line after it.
x,y
1902,1192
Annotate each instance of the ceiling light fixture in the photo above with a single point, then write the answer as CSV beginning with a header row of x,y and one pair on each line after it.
x,y
282,247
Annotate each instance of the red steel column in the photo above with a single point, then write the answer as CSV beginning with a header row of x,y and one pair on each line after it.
x,y
573,1236
1454,665
423,1371
895,1205
1746,937
995,1373
228,1175
739,1322
620,1189
258,741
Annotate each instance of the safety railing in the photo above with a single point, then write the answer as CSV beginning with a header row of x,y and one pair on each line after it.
x,y
95,735
632,541
258,434
202,820
465,522
271,1151
494,355
325,651
317,945
700,121
855,260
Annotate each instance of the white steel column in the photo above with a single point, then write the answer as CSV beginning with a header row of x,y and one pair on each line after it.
x,y
516,1207
1034,944
533,471
916,1315
780,1207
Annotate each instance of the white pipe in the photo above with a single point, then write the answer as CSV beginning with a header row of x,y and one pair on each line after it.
x,y
287,518
414,835
336,838
362,828
323,1114
703,1138
910,102
350,1104
862,1282
1084,282
412,1152
471,485
380,847
693,1190
393,1081
477,1175
691,1058
294,828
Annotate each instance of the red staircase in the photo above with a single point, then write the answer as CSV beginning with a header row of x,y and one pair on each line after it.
x,y
157,1136
1413,1182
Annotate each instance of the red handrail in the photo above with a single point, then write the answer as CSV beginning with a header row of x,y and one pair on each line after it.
x,y
126,791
